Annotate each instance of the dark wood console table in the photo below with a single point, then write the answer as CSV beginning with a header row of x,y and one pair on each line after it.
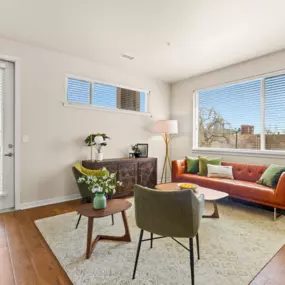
x,y
130,171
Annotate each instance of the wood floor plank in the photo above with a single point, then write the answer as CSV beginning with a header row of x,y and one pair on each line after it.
x,y
274,271
23,267
6,270
44,262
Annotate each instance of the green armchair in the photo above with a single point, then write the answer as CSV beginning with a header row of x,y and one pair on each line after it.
x,y
86,195
174,214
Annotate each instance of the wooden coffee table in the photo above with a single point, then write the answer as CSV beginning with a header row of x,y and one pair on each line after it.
x,y
209,195
113,206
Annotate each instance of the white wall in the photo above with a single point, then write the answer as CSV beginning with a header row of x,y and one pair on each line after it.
x,y
182,103
57,133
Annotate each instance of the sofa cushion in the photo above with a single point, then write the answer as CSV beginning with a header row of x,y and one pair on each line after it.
x,y
204,161
271,175
192,164
251,190
246,172
220,171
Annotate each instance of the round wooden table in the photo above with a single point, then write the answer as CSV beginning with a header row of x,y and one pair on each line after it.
x,y
209,195
113,206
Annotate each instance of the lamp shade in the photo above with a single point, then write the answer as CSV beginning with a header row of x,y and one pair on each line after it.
x,y
166,127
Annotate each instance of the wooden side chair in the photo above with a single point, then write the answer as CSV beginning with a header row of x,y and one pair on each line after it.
x,y
174,214
86,195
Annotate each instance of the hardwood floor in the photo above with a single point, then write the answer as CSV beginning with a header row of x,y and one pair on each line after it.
x,y
25,258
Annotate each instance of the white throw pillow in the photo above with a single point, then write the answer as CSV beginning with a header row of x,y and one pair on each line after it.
x,y
220,171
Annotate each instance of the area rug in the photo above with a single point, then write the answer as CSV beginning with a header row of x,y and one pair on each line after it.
x,y
233,249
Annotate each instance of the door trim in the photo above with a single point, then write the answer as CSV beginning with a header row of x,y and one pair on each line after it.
x,y
17,128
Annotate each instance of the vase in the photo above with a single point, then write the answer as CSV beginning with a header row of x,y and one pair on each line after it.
x,y
99,201
99,156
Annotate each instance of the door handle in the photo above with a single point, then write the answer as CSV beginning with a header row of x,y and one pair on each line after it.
x,y
10,154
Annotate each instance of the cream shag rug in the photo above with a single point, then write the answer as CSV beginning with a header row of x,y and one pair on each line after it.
x,y
233,249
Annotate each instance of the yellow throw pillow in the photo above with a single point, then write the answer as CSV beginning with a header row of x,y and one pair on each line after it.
x,y
91,172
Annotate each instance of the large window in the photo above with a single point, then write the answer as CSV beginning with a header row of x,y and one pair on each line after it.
x,y
101,95
248,115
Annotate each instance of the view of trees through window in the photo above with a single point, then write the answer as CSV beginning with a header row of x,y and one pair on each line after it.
x,y
243,115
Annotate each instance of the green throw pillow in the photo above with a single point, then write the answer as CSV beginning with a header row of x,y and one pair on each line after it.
x,y
203,161
271,175
192,164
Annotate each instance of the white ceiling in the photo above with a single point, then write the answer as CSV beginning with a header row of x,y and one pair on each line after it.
x,y
204,34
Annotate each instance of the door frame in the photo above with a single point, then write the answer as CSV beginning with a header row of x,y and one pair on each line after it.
x,y
17,128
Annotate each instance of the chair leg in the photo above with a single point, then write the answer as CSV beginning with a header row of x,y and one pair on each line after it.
x,y
78,222
191,260
198,245
113,222
138,253
151,239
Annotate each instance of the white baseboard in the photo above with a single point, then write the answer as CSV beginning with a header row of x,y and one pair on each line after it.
x,y
49,201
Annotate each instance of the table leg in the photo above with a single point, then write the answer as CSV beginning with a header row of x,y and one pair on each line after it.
x,y
89,237
125,237
127,231
92,244
215,215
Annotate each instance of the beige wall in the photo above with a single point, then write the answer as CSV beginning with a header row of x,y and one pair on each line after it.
x,y
182,103
56,133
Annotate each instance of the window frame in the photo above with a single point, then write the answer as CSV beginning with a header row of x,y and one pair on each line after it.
x,y
89,106
262,152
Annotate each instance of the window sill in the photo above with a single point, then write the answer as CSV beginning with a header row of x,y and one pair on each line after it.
x,y
96,108
241,152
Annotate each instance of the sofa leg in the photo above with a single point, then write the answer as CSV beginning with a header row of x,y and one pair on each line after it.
x,y
276,215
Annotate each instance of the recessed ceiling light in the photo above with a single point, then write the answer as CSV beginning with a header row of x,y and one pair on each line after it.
x,y
127,56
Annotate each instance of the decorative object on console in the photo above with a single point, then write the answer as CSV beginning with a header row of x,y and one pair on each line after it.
x,y
219,171
136,151
167,128
142,149
100,186
97,140
131,151
204,161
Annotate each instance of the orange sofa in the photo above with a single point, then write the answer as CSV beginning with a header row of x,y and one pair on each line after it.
x,y
244,185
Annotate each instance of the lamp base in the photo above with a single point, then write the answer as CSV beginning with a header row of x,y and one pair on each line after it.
x,y
167,138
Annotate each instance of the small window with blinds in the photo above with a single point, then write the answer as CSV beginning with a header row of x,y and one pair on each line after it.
x,y
244,116
105,96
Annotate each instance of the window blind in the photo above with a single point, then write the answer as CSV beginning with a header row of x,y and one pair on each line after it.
x,y
230,116
78,91
102,95
275,113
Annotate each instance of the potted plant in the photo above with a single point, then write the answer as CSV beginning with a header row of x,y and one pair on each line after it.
x,y
98,140
101,186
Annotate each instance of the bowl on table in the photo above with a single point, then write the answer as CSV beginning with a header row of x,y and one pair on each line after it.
x,y
189,186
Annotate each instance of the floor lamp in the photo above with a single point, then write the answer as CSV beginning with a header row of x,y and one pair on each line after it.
x,y
167,128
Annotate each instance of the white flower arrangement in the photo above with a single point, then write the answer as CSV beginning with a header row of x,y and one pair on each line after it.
x,y
101,184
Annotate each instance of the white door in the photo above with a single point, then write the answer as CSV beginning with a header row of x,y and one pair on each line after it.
x,y
7,192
